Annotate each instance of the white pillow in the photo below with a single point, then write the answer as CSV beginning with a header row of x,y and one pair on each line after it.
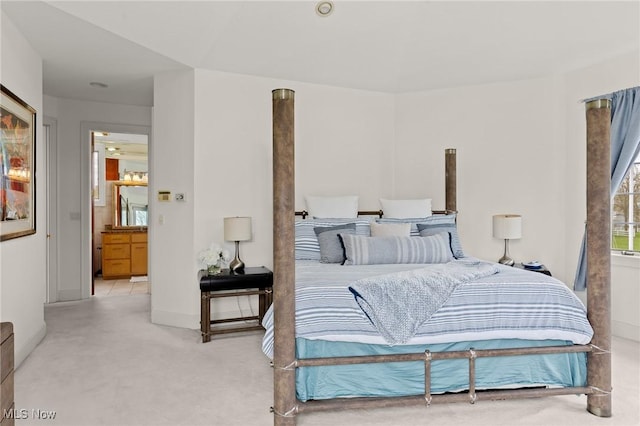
x,y
332,207
404,209
390,229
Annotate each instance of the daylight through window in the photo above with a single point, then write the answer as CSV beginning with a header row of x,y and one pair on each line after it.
x,y
626,212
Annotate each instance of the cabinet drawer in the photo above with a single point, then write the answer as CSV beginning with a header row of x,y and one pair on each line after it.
x,y
115,238
116,267
138,249
139,237
116,251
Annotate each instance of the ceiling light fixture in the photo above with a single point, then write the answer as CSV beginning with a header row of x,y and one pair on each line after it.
x,y
98,85
324,8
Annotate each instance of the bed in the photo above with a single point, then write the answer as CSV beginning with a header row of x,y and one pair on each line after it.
x,y
510,308
321,361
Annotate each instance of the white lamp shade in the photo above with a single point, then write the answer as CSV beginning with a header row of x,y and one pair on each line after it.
x,y
507,226
237,228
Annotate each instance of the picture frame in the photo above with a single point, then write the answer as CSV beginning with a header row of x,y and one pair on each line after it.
x,y
17,167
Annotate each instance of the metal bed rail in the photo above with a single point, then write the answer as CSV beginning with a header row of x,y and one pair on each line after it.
x,y
428,398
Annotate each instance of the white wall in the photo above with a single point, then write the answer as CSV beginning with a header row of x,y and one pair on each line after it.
x,y
23,260
175,296
510,158
72,169
625,296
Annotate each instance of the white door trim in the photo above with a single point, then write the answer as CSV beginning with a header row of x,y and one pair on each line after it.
x,y
85,188
51,164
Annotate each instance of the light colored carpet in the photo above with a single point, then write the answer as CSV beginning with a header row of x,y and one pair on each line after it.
x,y
103,363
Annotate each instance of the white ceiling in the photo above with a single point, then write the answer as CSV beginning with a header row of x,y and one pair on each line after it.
x,y
387,46
124,146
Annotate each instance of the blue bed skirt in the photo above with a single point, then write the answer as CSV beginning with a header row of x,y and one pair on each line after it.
x,y
407,378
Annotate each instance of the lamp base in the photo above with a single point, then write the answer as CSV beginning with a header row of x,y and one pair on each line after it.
x,y
505,260
237,265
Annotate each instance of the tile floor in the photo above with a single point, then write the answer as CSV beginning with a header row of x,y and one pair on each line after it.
x,y
120,287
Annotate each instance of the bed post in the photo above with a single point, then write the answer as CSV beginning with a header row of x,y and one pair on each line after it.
x,y
450,180
284,373
599,254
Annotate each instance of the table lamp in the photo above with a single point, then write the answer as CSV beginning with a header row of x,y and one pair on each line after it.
x,y
507,227
237,229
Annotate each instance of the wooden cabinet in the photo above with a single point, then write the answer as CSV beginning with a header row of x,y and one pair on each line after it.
x,y
139,254
6,373
124,254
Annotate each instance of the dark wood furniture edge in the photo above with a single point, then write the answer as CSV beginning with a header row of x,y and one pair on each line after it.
x,y
7,374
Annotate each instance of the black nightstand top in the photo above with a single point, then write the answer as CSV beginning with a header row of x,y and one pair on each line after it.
x,y
543,269
251,277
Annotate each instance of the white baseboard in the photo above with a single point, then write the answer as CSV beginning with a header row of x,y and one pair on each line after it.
x,y
176,319
231,307
21,353
626,331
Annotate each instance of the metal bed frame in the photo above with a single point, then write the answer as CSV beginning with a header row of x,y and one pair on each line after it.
x,y
598,390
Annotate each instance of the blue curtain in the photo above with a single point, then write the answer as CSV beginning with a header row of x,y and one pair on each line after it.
x,y
625,146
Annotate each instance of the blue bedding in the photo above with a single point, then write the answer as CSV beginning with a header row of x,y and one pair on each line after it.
x,y
398,304
512,304
407,378
512,307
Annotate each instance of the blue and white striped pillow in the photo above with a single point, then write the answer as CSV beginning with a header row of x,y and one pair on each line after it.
x,y
441,223
425,226
361,250
306,241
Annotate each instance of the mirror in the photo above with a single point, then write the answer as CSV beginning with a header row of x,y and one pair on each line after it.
x,y
130,204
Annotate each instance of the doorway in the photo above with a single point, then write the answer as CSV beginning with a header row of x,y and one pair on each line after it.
x,y
119,177
102,144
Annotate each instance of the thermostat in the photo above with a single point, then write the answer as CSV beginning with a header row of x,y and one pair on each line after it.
x,y
164,195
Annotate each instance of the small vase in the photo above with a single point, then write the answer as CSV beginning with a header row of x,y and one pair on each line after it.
x,y
213,269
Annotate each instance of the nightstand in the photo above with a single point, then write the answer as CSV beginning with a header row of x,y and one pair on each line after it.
x,y
253,280
542,270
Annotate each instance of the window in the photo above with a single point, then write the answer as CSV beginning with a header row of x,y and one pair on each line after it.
x,y
626,212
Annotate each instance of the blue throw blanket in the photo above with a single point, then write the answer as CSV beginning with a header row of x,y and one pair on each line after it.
x,y
397,304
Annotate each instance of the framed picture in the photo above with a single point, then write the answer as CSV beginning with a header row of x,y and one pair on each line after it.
x,y
17,167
